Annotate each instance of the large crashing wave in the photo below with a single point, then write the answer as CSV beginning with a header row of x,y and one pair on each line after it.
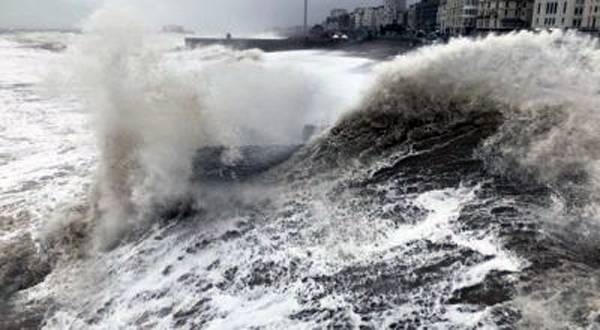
x,y
426,206
526,105
154,109
545,81
541,84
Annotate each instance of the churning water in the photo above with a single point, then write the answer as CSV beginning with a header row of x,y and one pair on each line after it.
x,y
455,186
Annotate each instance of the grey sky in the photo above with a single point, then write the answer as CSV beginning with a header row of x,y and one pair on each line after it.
x,y
202,15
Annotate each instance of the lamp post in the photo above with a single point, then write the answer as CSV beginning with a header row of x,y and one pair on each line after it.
x,y
305,17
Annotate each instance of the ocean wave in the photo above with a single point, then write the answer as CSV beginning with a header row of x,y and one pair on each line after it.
x,y
460,192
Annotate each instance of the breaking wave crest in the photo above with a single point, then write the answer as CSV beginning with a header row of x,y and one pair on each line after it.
x,y
543,81
527,105
541,84
154,109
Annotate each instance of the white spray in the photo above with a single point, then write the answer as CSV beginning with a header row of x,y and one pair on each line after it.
x,y
152,114
536,75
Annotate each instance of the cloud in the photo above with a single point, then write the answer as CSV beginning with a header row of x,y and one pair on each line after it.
x,y
44,14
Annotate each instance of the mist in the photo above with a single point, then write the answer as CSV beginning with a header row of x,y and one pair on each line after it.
x,y
203,16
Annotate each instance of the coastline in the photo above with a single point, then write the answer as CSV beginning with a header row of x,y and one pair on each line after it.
x,y
377,49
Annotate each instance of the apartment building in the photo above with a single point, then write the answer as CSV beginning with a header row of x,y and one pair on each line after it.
x,y
423,15
566,14
393,11
427,13
441,15
338,20
371,18
504,15
459,16
591,16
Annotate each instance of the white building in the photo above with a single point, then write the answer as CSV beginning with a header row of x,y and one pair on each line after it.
x,y
357,18
504,15
393,11
371,18
459,17
566,14
374,17
591,16
441,16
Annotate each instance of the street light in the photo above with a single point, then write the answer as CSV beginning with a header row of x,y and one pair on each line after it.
x,y
305,16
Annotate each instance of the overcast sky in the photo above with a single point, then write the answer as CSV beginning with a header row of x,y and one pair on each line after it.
x,y
201,15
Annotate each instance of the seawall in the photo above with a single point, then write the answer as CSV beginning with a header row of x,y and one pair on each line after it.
x,y
267,45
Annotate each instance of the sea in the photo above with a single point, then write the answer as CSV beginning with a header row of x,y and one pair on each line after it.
x,y
144,185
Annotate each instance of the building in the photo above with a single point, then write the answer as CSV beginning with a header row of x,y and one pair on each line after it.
x,y
504,15
423,16
338,20
338,12
426,15
566,14
375,17
368,18
357,18
441,16
411,17
591,16
393,11
459,16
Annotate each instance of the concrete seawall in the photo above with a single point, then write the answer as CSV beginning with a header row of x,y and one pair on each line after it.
x,y
377,48
267,45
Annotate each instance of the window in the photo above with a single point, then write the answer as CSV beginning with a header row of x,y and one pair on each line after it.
x,y
564,7
551,7
539,8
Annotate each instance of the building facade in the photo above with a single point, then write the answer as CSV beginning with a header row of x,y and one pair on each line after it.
x,y
338,12
426,15
374,17
566,14
504,15
359,18
368,18
591,16
459,16
441,16
338,20
411,17
393,11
